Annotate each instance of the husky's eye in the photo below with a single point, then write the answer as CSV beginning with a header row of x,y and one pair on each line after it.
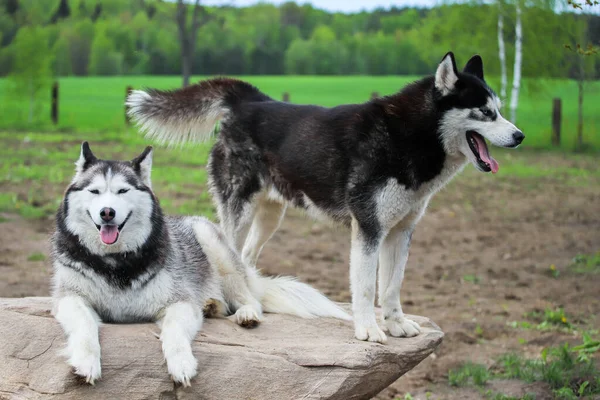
x,y
121,191
486,111
95,191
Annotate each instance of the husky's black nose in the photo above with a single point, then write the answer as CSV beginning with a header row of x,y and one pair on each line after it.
x,y
518,137
107,214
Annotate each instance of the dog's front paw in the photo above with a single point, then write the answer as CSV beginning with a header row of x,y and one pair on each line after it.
x,y
247,317
402,327
182,367
86,363
370,333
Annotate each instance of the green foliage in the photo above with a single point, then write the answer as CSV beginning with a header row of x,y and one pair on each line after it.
x,y
468,374
562,368
586,263
104,60
568,374
141,38
36,257
471,278
31,73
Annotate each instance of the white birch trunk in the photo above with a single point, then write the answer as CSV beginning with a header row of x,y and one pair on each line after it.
x,y
514,96
501,52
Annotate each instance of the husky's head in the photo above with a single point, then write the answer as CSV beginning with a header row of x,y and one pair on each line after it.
x,y
471,114
109,204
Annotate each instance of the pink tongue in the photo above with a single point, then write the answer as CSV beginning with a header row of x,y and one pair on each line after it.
x,y
485,155
109,233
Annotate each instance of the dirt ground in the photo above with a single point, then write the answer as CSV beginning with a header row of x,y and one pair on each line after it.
x,y
480,258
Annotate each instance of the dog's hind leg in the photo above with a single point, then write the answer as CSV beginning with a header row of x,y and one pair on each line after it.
x,y
267,219
234,279
179,326
363,277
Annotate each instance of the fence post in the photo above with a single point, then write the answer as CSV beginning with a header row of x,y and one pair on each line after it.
x,y
556,121
54,107
374,95
286,97
128,90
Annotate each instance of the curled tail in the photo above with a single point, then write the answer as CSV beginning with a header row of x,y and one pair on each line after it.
x,y
188,114
286,295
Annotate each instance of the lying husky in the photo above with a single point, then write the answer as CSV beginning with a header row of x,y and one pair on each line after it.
x,y
371,166
118,259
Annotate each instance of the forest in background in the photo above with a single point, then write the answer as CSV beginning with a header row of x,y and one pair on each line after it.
x,y
140,37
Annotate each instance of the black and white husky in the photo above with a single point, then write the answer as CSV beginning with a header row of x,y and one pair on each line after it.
x,y
371,166
118,259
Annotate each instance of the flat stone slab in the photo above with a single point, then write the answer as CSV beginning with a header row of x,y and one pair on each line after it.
x,y
284,358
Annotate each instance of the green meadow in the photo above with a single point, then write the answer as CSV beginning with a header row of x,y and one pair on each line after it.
x,y
91,105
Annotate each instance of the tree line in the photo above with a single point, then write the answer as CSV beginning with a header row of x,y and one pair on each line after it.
x,y
115,37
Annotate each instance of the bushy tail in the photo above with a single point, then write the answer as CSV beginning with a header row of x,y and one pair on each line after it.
x,y
188,114
286,295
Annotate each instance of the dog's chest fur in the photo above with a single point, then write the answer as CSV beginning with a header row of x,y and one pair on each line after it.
x,y
114,304
394,200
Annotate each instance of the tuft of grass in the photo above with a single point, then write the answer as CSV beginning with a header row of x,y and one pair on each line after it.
x,y
469,373
548,320
502,396
36,257
554,272
562,368
472,278
586,263
570,372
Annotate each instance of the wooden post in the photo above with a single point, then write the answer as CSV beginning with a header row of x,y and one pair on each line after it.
x,y
286,97
54,106
128,90
374,95
556,121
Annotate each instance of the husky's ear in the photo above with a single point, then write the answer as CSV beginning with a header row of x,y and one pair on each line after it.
x,y
446,74
475,66
142,165
86,158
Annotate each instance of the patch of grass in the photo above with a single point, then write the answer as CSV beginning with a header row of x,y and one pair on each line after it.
x,y
501,396
36,257
561,368
553,271
570,372
550,319
3,219
469,373
93,104
586,263
471,278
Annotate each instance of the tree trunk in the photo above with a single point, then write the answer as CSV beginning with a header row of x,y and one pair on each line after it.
x,y
501,52
187,40
514,96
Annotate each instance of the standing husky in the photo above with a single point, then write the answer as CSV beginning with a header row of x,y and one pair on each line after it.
x,y
371,166
118,259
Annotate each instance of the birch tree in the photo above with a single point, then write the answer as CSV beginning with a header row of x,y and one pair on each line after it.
x,y
516,84
502,50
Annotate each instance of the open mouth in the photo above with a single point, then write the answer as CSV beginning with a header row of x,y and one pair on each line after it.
x,y
478,146
109,233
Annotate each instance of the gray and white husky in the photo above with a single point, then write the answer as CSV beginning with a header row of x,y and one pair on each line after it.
x,y
372,166
117,258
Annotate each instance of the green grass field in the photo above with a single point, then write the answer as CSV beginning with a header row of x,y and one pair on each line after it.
x,y
95,104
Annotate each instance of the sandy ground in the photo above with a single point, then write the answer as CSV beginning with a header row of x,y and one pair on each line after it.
x,y
506,233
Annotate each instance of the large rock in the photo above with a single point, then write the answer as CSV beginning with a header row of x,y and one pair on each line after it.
x,y
284,358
